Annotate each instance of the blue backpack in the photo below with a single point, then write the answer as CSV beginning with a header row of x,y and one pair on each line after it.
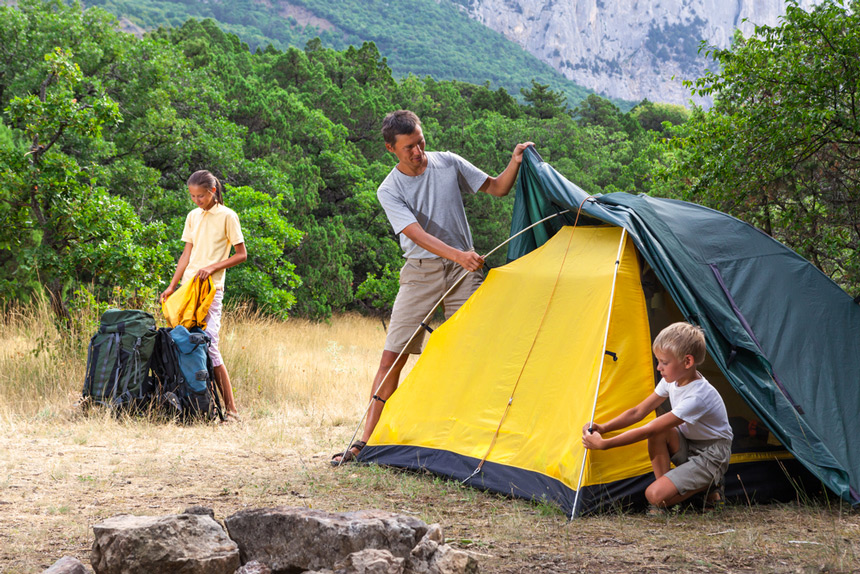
x,y
193,347
182,374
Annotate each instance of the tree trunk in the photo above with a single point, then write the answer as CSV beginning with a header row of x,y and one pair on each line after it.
x,y
58,305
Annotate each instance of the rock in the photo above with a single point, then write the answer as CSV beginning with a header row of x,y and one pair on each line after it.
x,y
431,556
201,510
254,567
186,543
297,539
629,50
370,561
447,560
67,565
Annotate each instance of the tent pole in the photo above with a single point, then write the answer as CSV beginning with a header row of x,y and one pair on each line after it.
x,y
600,369
427,318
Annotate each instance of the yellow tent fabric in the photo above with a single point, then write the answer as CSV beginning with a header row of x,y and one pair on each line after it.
x,y
189,305
532,335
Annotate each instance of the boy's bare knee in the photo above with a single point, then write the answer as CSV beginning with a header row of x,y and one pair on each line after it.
x,y
661,491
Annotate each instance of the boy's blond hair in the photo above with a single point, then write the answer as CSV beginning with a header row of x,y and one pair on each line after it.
x,y
682,339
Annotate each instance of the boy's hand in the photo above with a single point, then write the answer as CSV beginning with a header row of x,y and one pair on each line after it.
x,y
592,440
592,427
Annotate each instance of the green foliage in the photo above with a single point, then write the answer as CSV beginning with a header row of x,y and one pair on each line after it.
x,y
101,136
422,38
267,278
780,148
379,292
653,116
545,103
59,225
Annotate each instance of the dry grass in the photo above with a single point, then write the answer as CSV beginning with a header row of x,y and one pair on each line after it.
x,y
302,387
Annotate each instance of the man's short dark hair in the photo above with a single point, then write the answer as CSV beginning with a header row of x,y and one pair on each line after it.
x,y
399,123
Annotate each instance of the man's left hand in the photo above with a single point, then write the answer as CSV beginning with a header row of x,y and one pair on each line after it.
x,y
519,150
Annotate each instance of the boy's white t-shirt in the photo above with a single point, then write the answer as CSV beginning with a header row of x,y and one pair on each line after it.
x,y
701,408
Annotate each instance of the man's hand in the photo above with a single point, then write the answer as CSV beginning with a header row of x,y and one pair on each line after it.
x,y
470,261
592,440
519,150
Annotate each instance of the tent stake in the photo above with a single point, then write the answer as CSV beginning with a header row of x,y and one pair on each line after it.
x,y
432,310
600,369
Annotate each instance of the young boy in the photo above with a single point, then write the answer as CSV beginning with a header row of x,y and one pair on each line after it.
x,y
695,435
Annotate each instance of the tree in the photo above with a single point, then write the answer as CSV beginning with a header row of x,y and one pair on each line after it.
x,y
651,116
781,147
544,103
58,226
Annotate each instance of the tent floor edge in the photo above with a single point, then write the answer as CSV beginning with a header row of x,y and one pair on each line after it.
x,y
624,495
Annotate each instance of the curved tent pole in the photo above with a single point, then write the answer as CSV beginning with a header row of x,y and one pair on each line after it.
x,y
600,369
427,318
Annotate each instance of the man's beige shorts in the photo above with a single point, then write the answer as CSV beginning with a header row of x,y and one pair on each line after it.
x,y
422,284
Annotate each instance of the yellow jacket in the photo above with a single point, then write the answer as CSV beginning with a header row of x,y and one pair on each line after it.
x,y
189,304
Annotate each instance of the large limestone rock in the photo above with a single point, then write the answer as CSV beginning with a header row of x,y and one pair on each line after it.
x,y
184,543
297,539
623,49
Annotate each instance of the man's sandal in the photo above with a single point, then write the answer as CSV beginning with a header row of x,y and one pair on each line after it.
x,y
348,455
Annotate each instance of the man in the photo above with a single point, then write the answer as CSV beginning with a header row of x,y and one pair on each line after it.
x,y
422,199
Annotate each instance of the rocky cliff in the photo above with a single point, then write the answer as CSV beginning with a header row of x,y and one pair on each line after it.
x,y
630,49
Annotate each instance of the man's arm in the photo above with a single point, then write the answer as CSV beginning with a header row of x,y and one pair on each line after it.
x,y
501,185
468,260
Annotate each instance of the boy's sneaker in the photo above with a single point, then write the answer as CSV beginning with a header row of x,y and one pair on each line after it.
x,y
716,498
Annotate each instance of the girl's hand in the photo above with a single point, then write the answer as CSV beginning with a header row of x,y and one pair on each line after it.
x,y
205,272
166,293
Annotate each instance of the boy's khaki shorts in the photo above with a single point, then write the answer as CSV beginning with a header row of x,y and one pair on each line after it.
x,y
422,284
699,463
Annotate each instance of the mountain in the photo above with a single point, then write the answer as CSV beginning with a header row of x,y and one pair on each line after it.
x,y
628,49
435,38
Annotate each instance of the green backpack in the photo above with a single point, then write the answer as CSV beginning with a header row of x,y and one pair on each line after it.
x,y
118,358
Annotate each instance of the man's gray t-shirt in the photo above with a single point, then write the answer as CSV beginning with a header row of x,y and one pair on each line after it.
x,y
433,200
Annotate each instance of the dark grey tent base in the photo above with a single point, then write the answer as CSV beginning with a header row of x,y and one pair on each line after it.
x,y
760,481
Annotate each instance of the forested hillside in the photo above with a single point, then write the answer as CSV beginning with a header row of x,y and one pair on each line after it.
x,y
101,130
420,38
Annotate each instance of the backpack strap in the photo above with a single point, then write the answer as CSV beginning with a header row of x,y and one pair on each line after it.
x,y
135,362
88,377
105,365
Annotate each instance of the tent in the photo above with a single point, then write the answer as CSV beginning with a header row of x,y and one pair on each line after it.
x,y
499,396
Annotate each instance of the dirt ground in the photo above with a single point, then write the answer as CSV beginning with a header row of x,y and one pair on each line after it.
x,y
61,473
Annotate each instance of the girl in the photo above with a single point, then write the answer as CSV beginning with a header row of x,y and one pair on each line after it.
x,y
210,231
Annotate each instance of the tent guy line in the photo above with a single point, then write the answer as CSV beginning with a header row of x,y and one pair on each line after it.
x,y
423,323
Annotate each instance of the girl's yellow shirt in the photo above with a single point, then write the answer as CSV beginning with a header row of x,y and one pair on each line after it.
x,y
211,233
